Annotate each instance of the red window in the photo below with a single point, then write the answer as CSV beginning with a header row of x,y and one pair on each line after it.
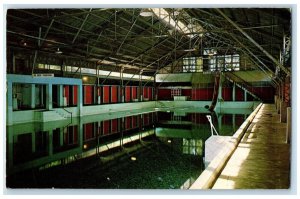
x,y
75,95
105,94
66,93
133,92
127,94
88,94
114,94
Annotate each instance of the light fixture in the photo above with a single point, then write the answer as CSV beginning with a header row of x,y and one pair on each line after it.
x,y
170,31
190,50
146,13
85,146
133,158
84,78
169,141
58,51
23,42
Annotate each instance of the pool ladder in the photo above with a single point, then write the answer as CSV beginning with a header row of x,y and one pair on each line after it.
x,y
212,128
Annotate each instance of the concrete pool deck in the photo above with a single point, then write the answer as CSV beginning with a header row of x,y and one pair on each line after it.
x,y
261,159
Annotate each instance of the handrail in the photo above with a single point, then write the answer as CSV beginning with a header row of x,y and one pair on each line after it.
x,y
212,128
64,110
243,84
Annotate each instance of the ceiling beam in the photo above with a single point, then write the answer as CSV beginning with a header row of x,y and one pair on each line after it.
x,y
255,43
82,24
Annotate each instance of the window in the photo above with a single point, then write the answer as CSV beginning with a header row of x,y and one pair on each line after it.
x,y
224,62
192,64
176,92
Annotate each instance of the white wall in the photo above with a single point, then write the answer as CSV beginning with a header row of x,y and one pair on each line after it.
x,y
44,116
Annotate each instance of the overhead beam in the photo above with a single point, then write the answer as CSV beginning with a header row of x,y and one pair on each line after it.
x,y
69,26
243,49
82,24
80,13
254,42
56,42
47,31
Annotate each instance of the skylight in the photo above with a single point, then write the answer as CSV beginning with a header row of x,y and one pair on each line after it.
x,y
190,30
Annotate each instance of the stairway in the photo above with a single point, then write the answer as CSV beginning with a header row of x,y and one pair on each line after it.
x,y
63,115
52,115
241,84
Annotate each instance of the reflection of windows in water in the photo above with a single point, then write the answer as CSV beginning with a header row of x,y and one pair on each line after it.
x,y
192,64
192,146
176,118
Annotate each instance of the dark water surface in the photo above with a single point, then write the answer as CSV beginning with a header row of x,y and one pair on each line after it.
x,y
152,150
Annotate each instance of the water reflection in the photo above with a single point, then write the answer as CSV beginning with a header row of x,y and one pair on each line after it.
x,y
155,149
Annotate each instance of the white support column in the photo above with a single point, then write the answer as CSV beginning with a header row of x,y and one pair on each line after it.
x,y
141,88
122,94
122,88
49,105
32,95
79,100
60,94
220,88
245,95
99,94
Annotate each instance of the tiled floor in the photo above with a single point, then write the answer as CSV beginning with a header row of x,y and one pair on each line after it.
x,y
262,158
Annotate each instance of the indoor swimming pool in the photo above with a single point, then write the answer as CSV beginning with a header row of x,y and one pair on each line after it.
x,y
155,149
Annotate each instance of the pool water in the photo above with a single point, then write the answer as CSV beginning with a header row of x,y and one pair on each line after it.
x,y
153,150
